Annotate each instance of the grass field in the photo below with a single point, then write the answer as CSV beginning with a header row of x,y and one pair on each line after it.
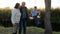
x,y
30,30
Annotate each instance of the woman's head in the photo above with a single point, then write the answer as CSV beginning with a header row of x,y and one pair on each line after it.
x,y
17,5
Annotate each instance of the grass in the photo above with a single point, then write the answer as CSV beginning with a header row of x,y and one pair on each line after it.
x,y
30,30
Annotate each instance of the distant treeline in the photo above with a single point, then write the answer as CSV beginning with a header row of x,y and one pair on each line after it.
x,y
5,18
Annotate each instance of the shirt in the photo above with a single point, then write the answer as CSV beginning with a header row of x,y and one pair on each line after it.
x,y
24,12
34,13
15,15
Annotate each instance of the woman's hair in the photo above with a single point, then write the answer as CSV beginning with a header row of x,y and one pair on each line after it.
x,y
16,5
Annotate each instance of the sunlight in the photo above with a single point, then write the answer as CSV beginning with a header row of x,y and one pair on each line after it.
x,y
29,3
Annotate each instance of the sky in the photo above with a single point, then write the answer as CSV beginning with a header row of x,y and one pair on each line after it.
x,y
29,3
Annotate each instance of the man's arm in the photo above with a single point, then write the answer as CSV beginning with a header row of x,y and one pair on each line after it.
x,y
39,13
26,11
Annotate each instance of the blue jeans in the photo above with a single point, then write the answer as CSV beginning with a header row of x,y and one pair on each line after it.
x,y
36,20
22,25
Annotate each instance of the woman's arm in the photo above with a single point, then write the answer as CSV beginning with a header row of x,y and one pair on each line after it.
x,y
13,14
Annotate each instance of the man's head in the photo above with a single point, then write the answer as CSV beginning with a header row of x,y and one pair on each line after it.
x,y
35,7
23,4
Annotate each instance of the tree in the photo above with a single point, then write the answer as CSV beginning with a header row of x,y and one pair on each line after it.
x,y
48,28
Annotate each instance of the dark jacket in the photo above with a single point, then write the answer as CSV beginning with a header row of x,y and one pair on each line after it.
x,y
24,12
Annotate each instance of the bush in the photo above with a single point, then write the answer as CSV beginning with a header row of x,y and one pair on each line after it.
x,y
5,18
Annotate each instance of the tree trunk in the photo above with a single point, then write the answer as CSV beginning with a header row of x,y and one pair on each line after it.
x,y
48,29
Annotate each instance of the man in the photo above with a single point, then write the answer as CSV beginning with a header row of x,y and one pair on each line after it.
x,y
35,15
23,19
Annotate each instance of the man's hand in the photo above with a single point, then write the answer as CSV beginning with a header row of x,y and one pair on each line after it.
x,y
30,15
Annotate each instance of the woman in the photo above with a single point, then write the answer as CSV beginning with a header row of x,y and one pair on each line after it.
x,y
15,18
